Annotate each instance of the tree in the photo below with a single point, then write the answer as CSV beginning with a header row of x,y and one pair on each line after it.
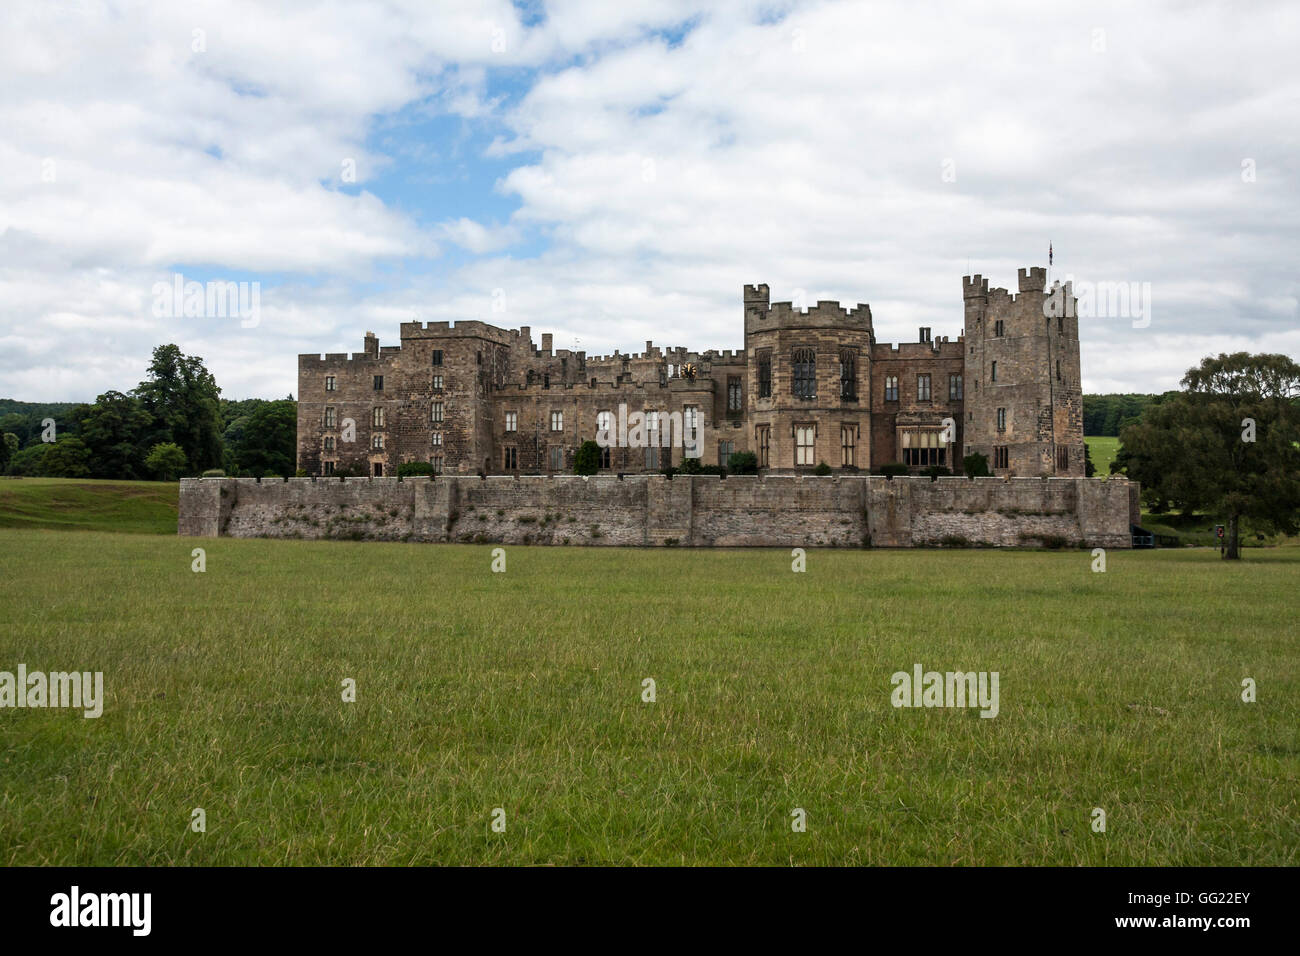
x,y
66,458
975,465
742,463
1229,444
265,441
587,460
166,460
6,452
115,430
184,401
1089,469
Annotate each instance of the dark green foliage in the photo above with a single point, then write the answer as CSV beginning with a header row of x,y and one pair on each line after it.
x,y
975,466
935,471
892,469
165,461
183,399
587,460
414,469
822,469
1108,414
742,463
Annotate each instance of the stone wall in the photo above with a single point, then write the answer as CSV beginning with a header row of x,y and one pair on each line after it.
x,y
702,511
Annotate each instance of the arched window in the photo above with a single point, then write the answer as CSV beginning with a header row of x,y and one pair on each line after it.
x,y
804,380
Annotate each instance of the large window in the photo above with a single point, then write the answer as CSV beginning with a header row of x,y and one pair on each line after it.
x,y
804,381
924,448
999,328
805,442
954,388
329,416
690,419
436,462
848,375
923,388
848,445
557,421
512,421
379,383
765,374
437,356
329,383
377,441
329,442
437,383
377,417
329,467
511,461
735,398
1062,458
557,458
652,457
436,439
725,450
993,372
1001,456
891,388
764,436
435,412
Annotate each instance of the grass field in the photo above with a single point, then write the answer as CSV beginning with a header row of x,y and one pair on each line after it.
x,y
1103,450
79,504
522,690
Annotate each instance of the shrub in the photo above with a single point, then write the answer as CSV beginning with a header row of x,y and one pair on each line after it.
x,y
166,460
690,466
414,469
892,468
743,463
976,465
587,460
822,469
953,541
935,471
214,473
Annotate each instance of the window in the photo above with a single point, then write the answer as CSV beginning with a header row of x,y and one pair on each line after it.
x,y
379,383
437,356
329,442
604,458
1060,324
923,388
1058,370
891,388
512,421
725,451
435,412
805,444
1062,458
377,441
999,329
993,372
690,419
437,382
805,373
848,375
557,421
848,449
379,469
329,467
1002,419
652,457
377,417
329,383
436,462
436,439
652,427
764,445
765,374
604,423
735,398
1001,456
329,416
557,458
923,448
511,461
479,358
954,388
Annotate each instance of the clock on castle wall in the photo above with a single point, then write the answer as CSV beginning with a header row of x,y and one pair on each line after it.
x,y
688,371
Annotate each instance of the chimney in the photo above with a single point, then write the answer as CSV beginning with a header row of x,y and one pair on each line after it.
x,y
546,342
925,333
372,345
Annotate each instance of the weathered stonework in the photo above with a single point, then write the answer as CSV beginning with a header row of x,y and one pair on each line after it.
x,y
650,510
473,398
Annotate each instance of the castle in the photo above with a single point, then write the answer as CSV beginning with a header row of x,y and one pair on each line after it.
x,y
809,386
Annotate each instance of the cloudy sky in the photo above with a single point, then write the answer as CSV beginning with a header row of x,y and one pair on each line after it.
x,y
616,171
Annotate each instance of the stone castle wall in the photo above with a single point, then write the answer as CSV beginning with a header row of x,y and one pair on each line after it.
x,y
648,510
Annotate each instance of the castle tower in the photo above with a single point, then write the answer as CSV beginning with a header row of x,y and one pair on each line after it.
x,y
1024,400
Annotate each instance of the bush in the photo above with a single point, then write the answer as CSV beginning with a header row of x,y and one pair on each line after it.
x,y
166,460
690,466
892,469
976,466
214,473
415,469
935,471
822,469
587,460
744,463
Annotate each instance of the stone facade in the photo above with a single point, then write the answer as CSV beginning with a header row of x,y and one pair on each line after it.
x,y
810,386
648,510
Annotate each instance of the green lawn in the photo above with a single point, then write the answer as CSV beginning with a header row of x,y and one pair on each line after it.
x,y
1103,449
80,504
523,690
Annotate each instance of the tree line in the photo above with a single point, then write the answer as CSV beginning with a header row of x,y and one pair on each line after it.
x,y
174,423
